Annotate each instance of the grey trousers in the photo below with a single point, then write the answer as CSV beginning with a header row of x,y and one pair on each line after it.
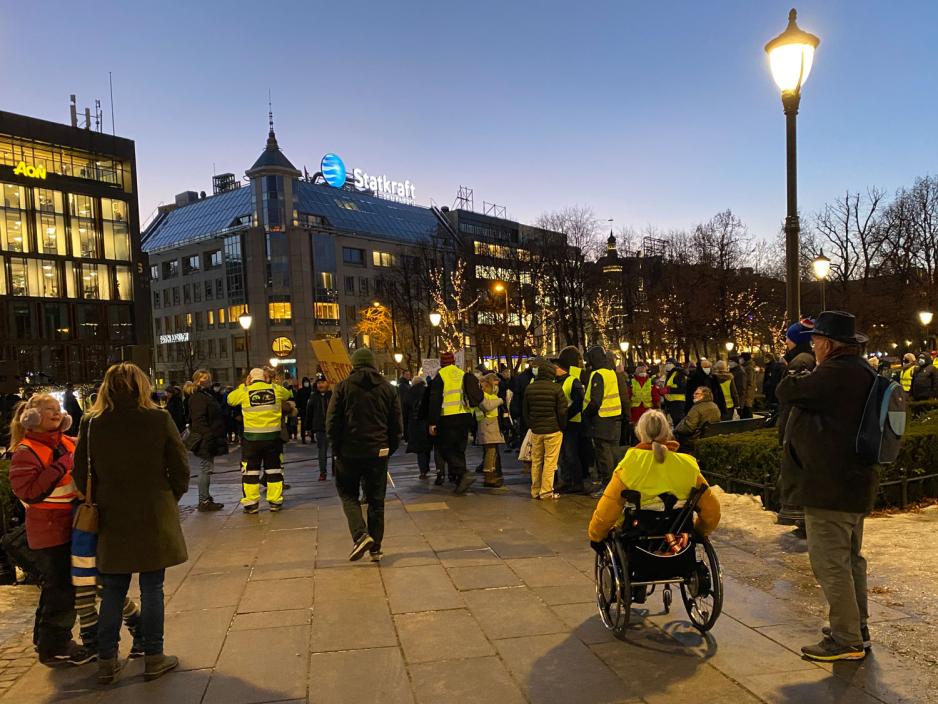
x,y
835,539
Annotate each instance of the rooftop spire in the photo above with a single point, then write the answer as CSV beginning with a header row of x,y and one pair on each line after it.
x,y
270,114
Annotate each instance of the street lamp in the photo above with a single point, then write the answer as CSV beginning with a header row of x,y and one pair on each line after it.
x,y
925,318
398,357
503,288
729,347
435,318
274,362
245,320
791,55
822,268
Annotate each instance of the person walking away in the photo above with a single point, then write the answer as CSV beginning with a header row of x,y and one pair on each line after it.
x,y
830,480
416,406
41,477
73,408
728,390
140,471
262,446
572,468
316,408
702,413
403,386
675,381
489,434
653,467
364,425
924,381
747,397
603,412
302,402
207,434
452,393
909,368
799,358
643,392
545,413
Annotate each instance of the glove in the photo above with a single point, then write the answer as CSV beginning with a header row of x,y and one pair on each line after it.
x,y
600,548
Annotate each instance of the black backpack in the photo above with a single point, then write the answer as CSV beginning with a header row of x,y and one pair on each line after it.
x,y
883,422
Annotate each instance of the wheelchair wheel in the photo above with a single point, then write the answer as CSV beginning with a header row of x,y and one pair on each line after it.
x,y
613,593
666,597
702,591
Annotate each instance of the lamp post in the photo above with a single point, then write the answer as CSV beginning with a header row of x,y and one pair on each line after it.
x,y
925,318
624,348
822,268
729,348
245,320
791,55
435,318
398,358
503,288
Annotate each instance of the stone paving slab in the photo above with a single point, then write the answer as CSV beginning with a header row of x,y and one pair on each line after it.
x,y
429,636
375,676
460,682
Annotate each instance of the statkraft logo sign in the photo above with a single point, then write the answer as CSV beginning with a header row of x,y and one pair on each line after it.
x,y
333,170
335,174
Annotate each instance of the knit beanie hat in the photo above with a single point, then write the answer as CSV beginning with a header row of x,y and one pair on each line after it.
x,y
447,358
570,357
363,357
257,374
800,332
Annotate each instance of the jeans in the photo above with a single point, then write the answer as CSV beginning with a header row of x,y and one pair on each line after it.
x,y
835,539
114,592
545,449
206,467
372,476
322,444
55,614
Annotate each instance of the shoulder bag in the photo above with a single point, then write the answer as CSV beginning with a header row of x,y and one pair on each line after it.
x,y
86,517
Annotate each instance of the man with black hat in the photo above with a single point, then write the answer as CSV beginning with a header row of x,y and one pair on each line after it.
x,y
827,477
364,426
316,407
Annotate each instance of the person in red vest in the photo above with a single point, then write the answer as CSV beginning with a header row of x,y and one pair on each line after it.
x,y
645,395
41,477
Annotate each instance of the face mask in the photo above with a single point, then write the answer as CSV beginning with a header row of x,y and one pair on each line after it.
x,y
668,367
306,383
534,371
706,370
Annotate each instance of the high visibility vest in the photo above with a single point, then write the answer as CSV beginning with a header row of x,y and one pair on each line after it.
x,y
572,375
453,401
905,378
65,491
673,396
261,409
611,405
494,412
727,394
641,395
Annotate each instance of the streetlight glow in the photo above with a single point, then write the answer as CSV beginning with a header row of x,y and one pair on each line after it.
x,y
822,266
274,362
398,357
624,346
245,320
791,55
925,317
499,287
435,319
729,346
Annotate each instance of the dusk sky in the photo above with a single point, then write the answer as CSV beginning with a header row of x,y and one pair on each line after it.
x,y
658,113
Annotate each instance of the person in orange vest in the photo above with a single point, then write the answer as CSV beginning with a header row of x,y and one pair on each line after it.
x,y
645,395
41,478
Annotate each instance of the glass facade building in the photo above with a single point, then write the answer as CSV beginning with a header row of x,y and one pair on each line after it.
x,y
72,280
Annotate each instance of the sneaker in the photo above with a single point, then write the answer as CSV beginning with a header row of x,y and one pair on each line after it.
x,y
468,479
375,555
136,651
362,545
423,477
82,655
828,650
274,508
210,505
62,655
439,480
322,476
864,633
285,486
552,495
251,509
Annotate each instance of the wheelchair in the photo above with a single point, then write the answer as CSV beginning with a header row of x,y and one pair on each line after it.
x,y
654,549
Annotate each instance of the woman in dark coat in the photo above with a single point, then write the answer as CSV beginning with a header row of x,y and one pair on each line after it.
x,y
416,405
208,437
140,471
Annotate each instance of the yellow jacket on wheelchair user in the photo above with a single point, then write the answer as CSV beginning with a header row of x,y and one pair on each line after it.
x,y
638,471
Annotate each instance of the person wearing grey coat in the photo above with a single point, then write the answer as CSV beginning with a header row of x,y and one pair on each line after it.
x,y
489,433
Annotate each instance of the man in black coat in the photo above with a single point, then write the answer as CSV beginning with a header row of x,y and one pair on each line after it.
x,y
316,408
602,413
302,402
364,425
449,426
825,475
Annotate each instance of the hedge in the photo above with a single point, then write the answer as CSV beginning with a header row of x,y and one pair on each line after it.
x,y
756,457
6,496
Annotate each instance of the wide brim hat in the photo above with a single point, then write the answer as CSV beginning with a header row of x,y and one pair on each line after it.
x,y
840,326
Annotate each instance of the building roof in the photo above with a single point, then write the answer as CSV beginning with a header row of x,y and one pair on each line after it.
x,y
349,211
272,157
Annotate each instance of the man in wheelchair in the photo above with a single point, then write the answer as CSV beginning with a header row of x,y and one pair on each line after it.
x,y
638,547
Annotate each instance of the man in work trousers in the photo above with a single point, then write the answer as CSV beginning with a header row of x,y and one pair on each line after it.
x,y
603,412
829,479
450,418
364,425
572,468
262,446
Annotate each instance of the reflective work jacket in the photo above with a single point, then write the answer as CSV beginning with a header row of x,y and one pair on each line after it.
x,y
905,378
641,395
727,393
611,405
572,375
261,409
65,491
453,402
677,396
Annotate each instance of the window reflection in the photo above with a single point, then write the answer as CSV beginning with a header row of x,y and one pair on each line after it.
x,y
13,219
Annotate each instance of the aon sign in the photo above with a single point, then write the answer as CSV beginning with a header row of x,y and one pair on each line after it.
x,y
24,169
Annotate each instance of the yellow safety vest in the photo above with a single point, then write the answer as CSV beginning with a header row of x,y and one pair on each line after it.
x,y
261,408
611,405
574,374
453,402
727,394
673,397
641,395
494,412
905,378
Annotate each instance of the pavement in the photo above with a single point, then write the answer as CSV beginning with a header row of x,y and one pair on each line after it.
x,y
486,598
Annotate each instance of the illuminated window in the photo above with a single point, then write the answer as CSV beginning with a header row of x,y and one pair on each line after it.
x,y
327,311
13,234
124,290
280,312
50,221
116,231
210,318
154,272
327,279
382,258
234,312
83,224
221,316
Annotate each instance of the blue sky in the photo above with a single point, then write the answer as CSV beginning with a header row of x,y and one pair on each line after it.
x,y
658,113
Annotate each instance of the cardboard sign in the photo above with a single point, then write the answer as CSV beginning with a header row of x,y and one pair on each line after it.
x,y
461,359
333,359
430,367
